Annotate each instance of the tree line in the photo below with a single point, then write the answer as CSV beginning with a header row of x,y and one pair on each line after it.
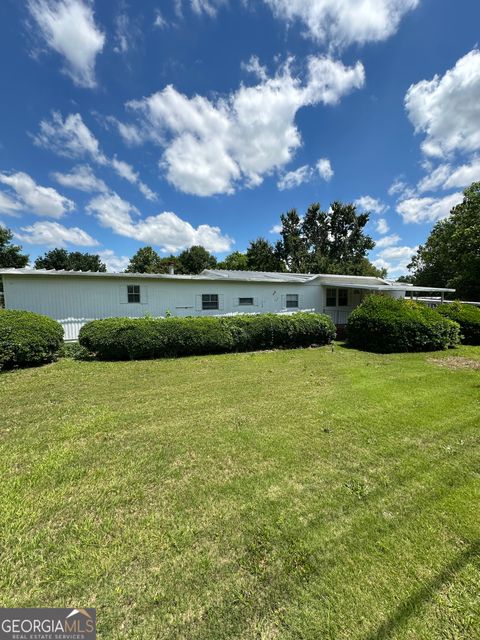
x,y
332,241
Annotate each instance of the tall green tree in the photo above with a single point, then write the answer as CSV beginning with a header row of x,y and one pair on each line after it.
x,y
147,260
195,259
236,261
70,261
11,256
451,255
262,256
332,241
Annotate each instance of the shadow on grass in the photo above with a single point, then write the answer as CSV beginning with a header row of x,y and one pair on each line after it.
x,y
418,599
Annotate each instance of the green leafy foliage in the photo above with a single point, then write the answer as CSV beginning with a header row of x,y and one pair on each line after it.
x,y
11,256
70,261
467,316
126,338
385,325
451,255
28,339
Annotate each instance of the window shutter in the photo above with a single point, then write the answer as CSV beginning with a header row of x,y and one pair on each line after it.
x,y
300,301
221,302
256,302
123,294
198,302
143,295
284,301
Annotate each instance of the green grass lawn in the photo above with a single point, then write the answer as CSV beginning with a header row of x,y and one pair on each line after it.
x,y
309,494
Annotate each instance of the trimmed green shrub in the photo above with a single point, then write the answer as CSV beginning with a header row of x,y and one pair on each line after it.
x,y
127,338
386,325
28,339
75,351
467,316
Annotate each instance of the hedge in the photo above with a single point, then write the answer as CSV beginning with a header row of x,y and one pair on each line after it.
x,y
28,339
467,316
127,338
386,325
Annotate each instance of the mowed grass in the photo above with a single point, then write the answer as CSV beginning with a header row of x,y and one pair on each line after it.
x,y
308,494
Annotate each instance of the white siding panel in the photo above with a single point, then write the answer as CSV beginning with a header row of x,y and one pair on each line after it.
x,y
73,301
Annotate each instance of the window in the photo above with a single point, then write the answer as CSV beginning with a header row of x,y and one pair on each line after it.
x,y
343,297
331,297
209,301
292,301
133,293
245,301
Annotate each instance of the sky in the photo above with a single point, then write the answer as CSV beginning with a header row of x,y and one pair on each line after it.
x,y
179,122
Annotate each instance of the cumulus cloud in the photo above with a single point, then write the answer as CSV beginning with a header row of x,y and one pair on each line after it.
x,y
212,146
68,27
42,201
427,209
82,178
159,20
395,259
70,137
344,22
306,173
367,203
446,176
446,109
387,241
276,229
165,230
54,234
9,206
113,262
382,226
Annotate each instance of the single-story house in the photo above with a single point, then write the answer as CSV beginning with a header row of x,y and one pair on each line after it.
x,y
76,297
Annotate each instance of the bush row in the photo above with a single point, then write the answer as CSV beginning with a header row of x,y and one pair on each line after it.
x,y
127,338
386,325
28,339
467,316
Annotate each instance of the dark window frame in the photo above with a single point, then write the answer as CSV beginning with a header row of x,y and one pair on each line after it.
x,y
246,301
133,294
344,294
329,297
210,301
294,302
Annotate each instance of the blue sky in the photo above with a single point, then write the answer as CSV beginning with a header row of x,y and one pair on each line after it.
x,y
180,122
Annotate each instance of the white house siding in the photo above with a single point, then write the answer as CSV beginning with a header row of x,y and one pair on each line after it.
x,y
74,300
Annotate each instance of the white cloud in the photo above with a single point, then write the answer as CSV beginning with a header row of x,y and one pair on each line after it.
x,y
448,177
82,178
68,27
73,139
42,201
387,241
427,209
344,22
212,146
53,234
9,206
306,173
113,262
447,108
295,178
395,259
276,229
398,188
367,203
166,229
159,21
324,168
382,226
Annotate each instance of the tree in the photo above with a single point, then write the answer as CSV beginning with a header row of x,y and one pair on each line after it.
x,y
262,256
195,259
70,261
451,255
330,241
146,260
11,256
236,261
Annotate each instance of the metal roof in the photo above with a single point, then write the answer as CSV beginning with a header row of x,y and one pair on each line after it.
x,y
357,282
